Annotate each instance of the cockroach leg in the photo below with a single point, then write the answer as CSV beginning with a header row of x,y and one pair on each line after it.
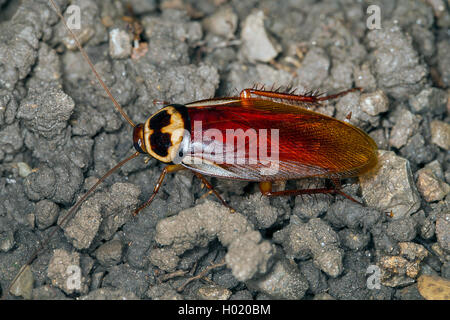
x,y
338,187
168,276
166,170
210,187
337,183
147,160
270,193
339,94
206,194
337,191
266,189
201,274
247,94
349,116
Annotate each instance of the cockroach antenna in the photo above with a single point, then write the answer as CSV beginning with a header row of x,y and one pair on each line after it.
x,y
91,65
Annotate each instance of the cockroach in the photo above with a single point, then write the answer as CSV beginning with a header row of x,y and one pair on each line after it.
x,y
229,138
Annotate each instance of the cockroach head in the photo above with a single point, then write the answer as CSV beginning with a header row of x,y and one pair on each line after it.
x,y
138,138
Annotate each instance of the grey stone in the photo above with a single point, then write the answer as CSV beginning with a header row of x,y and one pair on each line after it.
x,y
213,292
163,291
374,103
123,277
284,281
396,64
110,253
249,255
46,213
109,294
402,229
223,22
65,272
119,44
164,258
257,44
354,240
440,134
316,239
430,186
443,231
432,100
391,187
406,125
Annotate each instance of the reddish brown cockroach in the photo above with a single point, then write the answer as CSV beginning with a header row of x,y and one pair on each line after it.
x,y
229,138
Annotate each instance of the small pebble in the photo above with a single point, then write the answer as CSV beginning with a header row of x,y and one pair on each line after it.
x,y
374,103
391,186
409,293
257,45
163,291
6,240
443,231
402,269
24,284
119,44
402,229
354,240
432,100
164,258
64,271
24,169
46,213
83,227
109,294
47,292
284,281
323,296
405,126
434,287
440,134
213,293
314,238
431,187
110,253
223,22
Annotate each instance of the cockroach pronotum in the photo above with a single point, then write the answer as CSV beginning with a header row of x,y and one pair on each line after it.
x,y
197,136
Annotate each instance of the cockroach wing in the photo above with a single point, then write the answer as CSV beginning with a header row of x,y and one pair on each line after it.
x,y
263,140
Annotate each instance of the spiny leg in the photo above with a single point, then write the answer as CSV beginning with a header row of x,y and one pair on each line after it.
x,y
160,103
266,189
210,187
247,93
338,187
166,170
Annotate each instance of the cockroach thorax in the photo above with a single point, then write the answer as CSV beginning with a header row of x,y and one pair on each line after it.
x,y
164,131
